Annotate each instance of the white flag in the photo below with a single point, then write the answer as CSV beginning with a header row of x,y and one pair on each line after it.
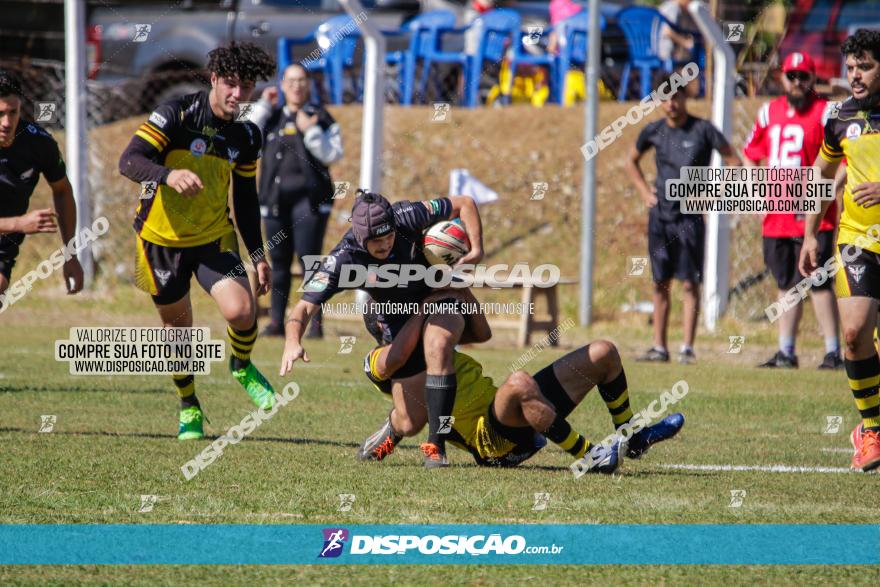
x,y
461,182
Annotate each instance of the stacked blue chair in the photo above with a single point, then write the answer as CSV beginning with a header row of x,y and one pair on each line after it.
x,y
642,28
424,38
522,57
337,39
496,29
573,35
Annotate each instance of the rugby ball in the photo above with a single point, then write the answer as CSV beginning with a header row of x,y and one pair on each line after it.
x,y
446,242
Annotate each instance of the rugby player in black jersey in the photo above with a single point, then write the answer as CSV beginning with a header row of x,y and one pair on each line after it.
x,y
26,151
386,234
185,156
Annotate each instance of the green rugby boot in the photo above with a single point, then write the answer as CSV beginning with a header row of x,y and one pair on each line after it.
x,y
191,424
256,385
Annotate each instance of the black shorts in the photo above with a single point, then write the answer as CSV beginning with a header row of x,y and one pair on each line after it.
x,y
859,274
781,255
165,272
676,248
9,248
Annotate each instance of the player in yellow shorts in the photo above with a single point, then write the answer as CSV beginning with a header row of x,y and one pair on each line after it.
x,y
504,426
186,156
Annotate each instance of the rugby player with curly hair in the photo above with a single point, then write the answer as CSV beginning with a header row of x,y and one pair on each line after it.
x,y
185,156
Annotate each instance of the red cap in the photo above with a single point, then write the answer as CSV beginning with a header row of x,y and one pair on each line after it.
x,y
798,62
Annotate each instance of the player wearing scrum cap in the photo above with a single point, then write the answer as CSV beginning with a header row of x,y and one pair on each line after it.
x,y
385,233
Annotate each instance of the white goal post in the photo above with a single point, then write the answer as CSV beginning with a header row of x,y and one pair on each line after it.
x,y
374,97
715,275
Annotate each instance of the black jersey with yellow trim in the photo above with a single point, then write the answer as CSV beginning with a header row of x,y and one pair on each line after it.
x,y
854,134
186,134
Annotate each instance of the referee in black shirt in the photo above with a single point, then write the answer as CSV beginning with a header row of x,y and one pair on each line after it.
x,y
675,240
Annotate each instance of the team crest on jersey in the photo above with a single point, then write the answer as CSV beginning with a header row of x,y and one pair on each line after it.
x,y
856,271
198,147
289,129
853,131
233,154
162,275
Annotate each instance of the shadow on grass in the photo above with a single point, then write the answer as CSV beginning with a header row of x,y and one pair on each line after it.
x,y
32,388
315,441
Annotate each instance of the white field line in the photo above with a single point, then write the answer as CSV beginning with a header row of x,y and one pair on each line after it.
x,y
842,450
759,468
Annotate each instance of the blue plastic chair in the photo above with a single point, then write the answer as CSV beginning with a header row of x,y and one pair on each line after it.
x,y
497,29
424,32
336,39
522,57
573,36
642,28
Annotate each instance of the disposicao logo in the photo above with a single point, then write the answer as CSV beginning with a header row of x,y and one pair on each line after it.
x,y
334,540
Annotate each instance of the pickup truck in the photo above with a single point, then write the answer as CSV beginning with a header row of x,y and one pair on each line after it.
x,y
168,59
147,51
173,55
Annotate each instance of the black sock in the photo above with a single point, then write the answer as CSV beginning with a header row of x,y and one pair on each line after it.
x,y
616,397
440,396
572,442
186,390
242,342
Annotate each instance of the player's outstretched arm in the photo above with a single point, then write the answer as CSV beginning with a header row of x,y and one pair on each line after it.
x,y
300,316
65,205
31,223
393,356
465,207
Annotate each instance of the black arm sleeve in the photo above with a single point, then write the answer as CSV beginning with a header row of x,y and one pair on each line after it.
x,y
247,215
136,162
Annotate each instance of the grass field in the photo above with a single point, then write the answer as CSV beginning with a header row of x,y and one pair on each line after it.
x,y
114,440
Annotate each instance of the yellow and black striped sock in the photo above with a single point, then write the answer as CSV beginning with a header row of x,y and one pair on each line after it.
x,y
572,442
616,396
242,343
186,390
864,379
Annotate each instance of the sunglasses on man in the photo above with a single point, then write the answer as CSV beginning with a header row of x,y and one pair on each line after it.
x,y
798,75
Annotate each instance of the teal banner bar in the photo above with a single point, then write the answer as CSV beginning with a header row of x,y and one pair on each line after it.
x,y
117,544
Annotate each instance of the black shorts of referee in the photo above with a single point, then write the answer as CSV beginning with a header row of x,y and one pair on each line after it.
x,y
676,248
